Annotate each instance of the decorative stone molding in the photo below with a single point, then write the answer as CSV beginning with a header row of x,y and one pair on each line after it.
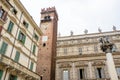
x,y
82,64
117,62
65,65
98,63
80,56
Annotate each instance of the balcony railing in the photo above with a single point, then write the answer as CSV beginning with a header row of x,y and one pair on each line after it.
x,y
14,66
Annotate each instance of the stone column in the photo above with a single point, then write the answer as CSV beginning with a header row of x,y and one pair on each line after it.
x,y
107,47
58,75
111,67
73,70
90,70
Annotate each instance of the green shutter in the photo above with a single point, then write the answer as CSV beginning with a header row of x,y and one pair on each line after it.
x,y
23,40
1,74
12,77
10,26
34,48
3,48
17,56
31,66
26,25
19,35
36,36
15,77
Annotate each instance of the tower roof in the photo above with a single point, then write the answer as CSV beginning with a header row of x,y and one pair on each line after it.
x,y
49,10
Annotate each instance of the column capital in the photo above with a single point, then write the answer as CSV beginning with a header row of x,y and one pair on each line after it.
x,y
106,46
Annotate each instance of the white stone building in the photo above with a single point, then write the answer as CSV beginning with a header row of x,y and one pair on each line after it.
x,y
19,41
79,57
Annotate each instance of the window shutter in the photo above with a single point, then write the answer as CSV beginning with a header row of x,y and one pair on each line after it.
x,y
3,48
1,12
31,66
1,74
36,36
5,16
17,56
26,25
0,8
12,77
19,35
24,39
10,26
34,48
0,30
15,77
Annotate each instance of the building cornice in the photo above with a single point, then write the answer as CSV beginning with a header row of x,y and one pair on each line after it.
x,y
91,35
84,56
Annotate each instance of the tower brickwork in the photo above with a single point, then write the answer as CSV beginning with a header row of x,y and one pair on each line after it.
x,y
47,48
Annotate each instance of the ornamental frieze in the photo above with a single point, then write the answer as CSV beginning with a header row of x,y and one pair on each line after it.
x,y
65,65
117,62
98,63
81,64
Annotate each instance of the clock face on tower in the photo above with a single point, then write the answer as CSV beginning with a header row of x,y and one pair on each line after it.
x,y
44,27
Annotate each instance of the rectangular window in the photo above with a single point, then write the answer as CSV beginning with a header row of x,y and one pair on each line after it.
x,y
65,75
21,37
95,48
1,74
1,27
114,49
80,51
65,50
3,14
3,48
82,74
99,73
17,56
14,11
118,72
25,24
31,66
10,26
34,48
36,36
12,77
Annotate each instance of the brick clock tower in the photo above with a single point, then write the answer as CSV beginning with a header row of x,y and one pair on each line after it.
x,y
47,50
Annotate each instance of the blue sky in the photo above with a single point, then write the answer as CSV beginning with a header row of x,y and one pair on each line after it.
x,y
78,15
